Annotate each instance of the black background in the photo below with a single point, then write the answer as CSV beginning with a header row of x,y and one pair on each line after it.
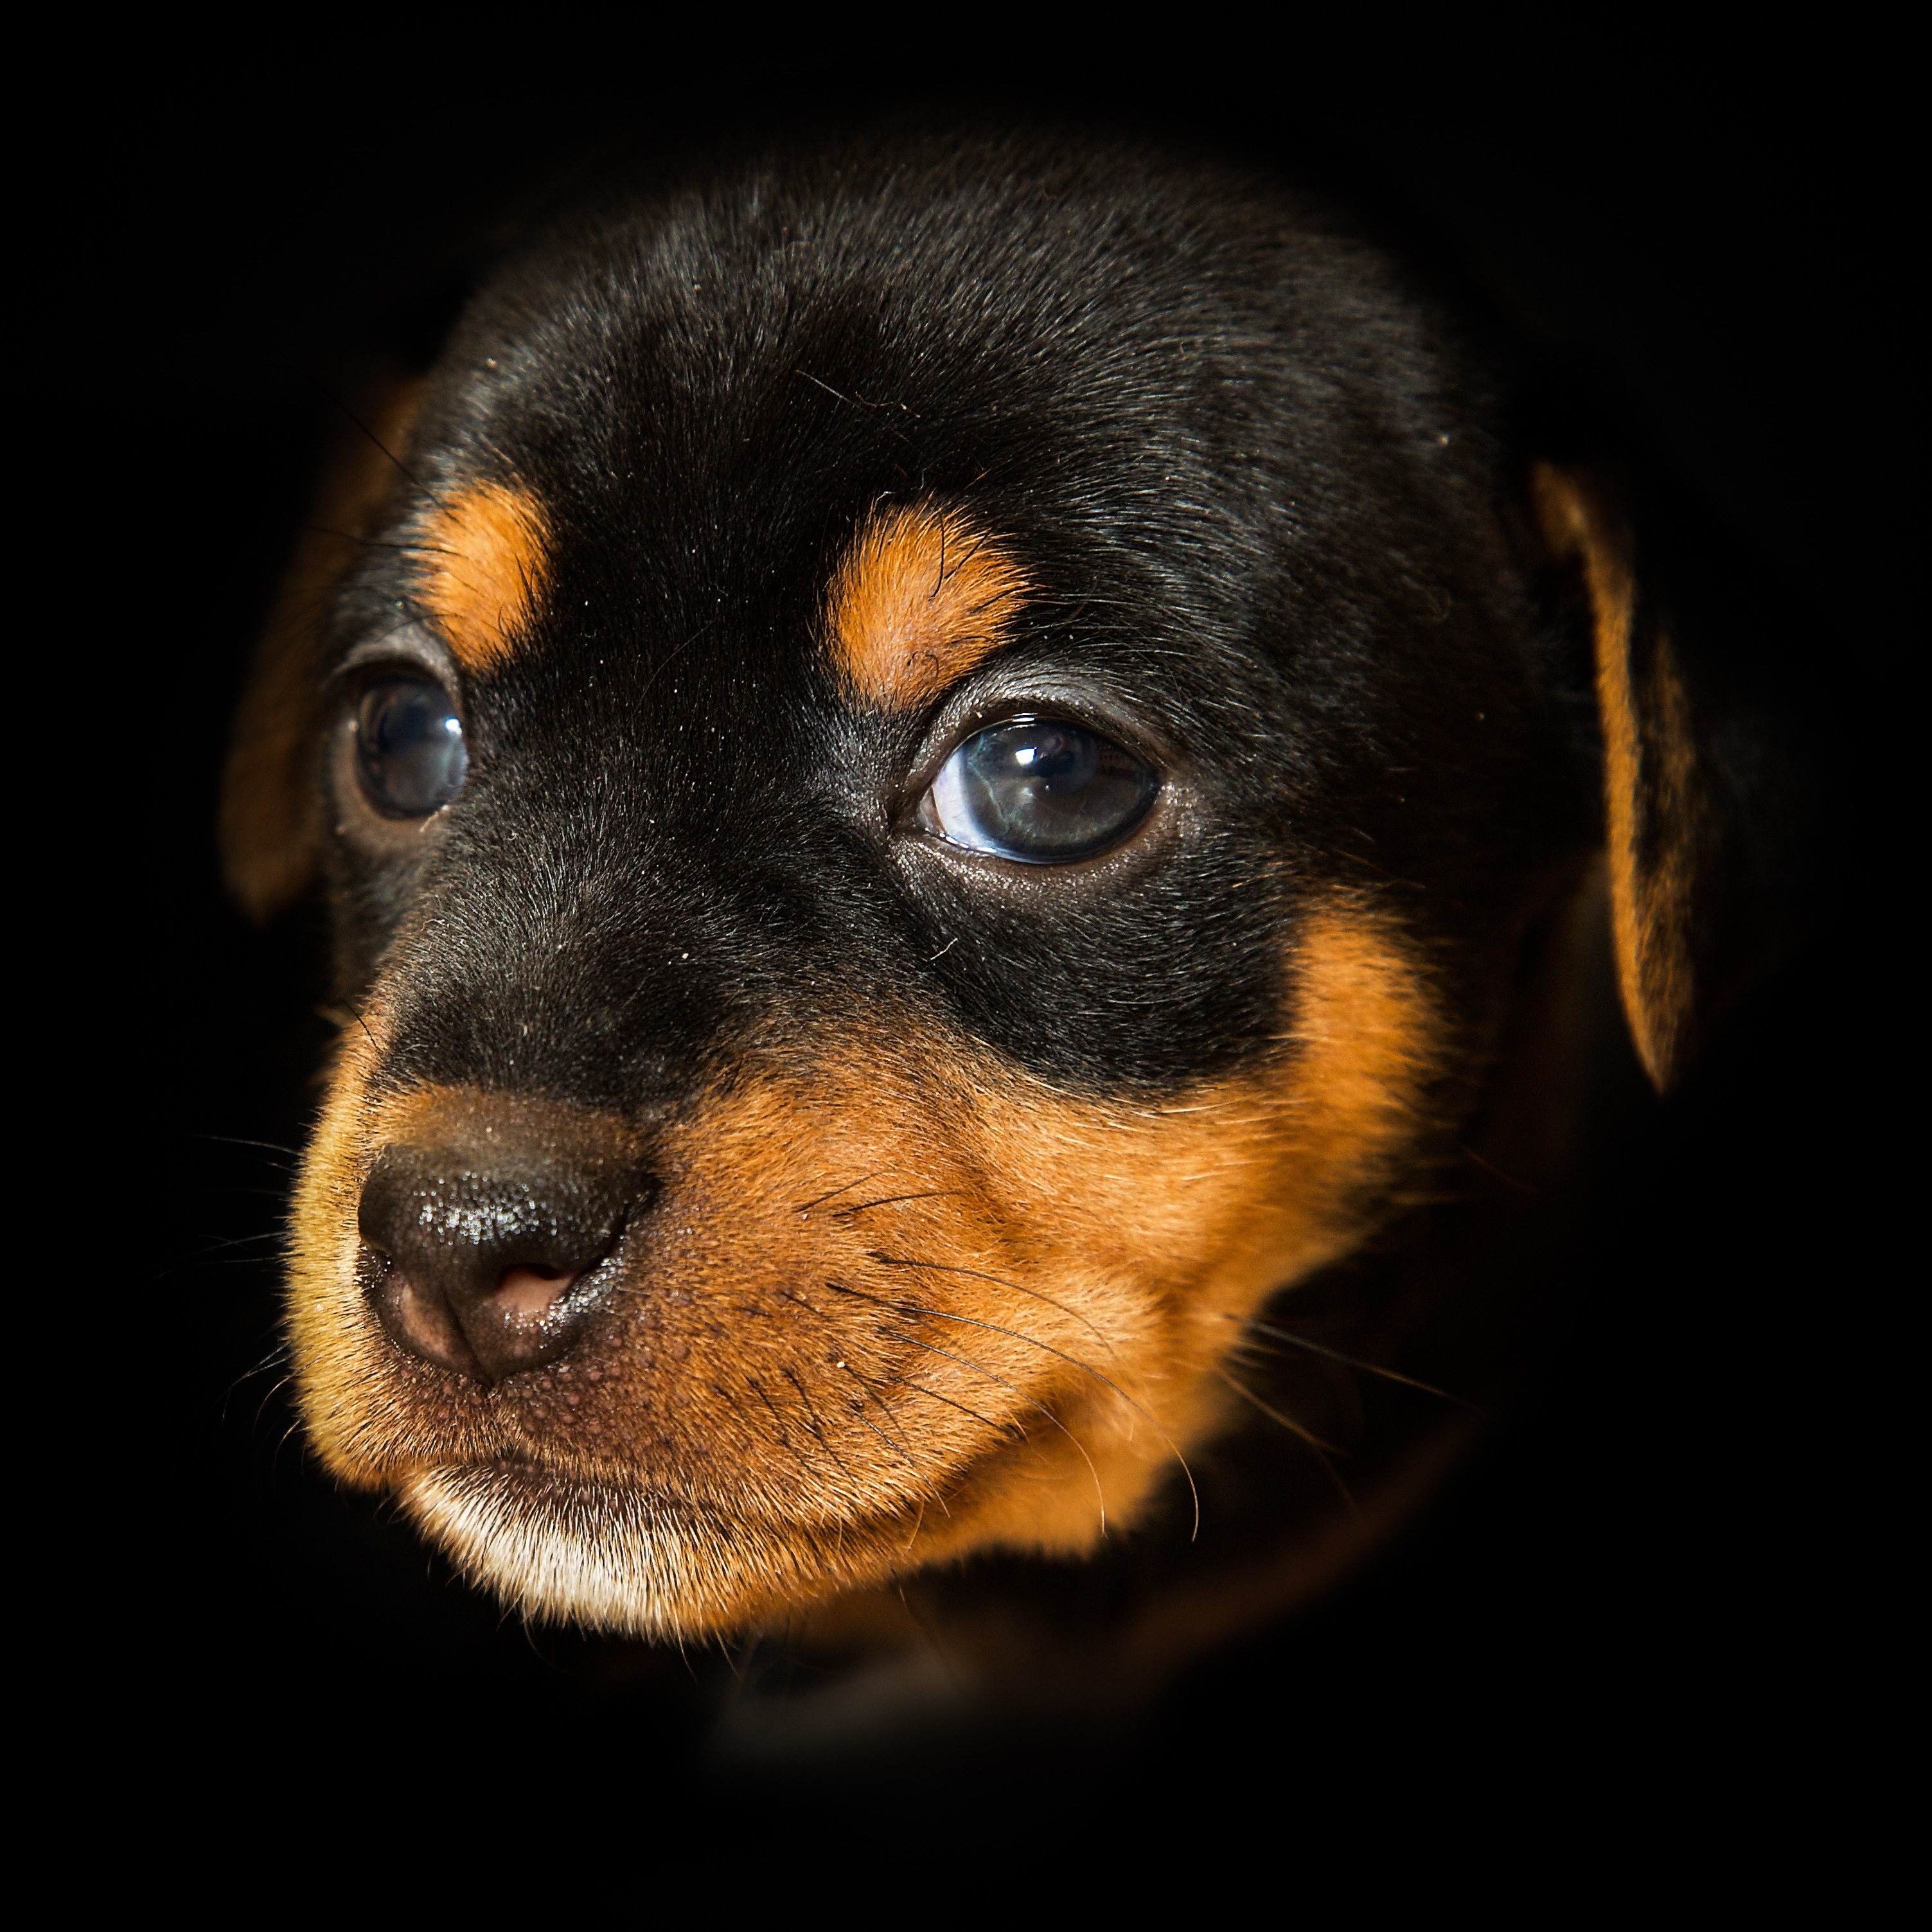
x,y
1631,1616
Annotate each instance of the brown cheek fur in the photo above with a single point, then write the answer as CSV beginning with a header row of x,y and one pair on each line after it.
x,y
484,570
1652,800
896,1306
921,597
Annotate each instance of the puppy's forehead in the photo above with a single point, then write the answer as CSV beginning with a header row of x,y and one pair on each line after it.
x,y
718,500
883,424
921,595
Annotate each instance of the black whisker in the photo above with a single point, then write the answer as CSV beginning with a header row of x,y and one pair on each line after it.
x,y
214,1243
1321,1451
1489,1167
785,1440
966,1361
1273,1414
402,468
1046,1348
1352,1362
998,1281
891,1201
818,1201
238,1140
872,1390
818,1430
275,1358
965,1408
862,1417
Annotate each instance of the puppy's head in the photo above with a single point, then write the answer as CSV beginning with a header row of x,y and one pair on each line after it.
x,y
930,773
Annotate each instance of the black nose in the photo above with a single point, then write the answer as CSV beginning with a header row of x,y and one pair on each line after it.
x,y
482,1249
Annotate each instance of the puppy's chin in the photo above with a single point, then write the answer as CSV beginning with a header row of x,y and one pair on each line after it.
x,y
555,1545
610,1555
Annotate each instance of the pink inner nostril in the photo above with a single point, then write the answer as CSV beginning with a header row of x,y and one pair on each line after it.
x,y
531,1291
425,1323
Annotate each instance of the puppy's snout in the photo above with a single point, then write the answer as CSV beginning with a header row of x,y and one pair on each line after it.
x,y
484,1253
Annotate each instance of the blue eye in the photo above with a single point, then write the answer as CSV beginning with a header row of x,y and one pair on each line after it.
x,y
409,748
1039,790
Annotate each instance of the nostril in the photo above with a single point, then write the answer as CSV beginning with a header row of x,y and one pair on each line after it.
x,y
533,1291
413,1309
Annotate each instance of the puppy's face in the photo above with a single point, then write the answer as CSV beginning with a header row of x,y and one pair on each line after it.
x,y
930,781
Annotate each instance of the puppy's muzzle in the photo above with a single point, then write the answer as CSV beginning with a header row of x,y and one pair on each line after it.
x,y
483,1248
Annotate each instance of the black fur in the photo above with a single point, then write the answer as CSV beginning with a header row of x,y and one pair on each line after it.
x,y
1263,489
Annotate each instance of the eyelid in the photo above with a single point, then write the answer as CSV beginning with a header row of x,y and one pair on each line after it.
x,y
409,648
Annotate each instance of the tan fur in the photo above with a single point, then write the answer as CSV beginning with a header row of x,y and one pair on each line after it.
x,y
270,825
1651,800
483,568
921,597
901,1303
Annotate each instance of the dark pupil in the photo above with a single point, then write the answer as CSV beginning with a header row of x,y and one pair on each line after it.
x,y
1052,790
410,746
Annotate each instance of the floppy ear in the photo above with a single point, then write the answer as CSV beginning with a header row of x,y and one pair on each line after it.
x,y
270,824
1693,816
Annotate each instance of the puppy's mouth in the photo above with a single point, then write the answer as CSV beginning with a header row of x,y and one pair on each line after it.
x,y
524,1484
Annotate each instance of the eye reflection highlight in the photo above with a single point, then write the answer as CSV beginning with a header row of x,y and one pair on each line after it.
x,y
1041,790
410,751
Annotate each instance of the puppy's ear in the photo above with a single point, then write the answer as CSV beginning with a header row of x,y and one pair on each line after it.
x,y
1699,813
271,825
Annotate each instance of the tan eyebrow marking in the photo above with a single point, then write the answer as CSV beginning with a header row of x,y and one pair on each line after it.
x,y
922,595
486,569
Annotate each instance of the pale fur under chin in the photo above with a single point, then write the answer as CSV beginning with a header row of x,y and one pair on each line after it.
x,y
604,1557
610,1557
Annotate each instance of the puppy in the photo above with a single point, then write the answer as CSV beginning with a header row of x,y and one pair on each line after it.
x,y
970,794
